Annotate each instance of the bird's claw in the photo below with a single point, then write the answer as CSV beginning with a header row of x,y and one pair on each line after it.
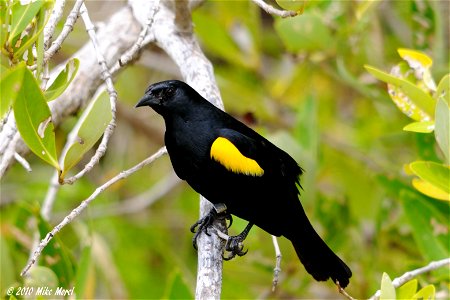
x,y
217,213
202,225
235,247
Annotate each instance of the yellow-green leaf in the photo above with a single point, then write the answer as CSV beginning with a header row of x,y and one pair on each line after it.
x,y
408,290
92,124
435,173
40,276
415,57
4,21
10,85
409,98
420,63
443,89
426,293
422,127
303,33
387,289
21,16
442,127
430,190
33,120
63,80
29,40
294,5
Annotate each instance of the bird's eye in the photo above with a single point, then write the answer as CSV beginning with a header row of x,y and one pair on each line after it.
x,y
170,91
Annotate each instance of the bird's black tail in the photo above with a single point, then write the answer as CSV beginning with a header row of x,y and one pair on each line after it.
x,y
319,260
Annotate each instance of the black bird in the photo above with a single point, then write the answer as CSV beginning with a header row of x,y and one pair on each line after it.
x,y
241,172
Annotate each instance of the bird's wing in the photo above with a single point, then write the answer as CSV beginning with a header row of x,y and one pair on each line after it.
x,y
252,155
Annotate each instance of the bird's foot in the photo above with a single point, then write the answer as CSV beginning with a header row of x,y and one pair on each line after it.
x,y
235,244
219,212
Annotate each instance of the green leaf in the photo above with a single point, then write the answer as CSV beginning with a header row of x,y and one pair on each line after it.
x,y
421,127
307,32
63,80
58,257
22,15
387,289
426,293
415,103
6,257
10,85
218,40
83,271
442,128
41,277
420,214
435,173
93,123
41,21
4,22
443,89
33,120
177,288
408,290
29,40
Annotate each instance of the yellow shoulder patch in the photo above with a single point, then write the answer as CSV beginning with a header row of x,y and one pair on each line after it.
x,y
224,152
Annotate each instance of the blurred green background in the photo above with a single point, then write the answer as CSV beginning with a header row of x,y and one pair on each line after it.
x,y
301,83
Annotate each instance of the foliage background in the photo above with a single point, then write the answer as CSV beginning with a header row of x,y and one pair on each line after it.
x,y
301,83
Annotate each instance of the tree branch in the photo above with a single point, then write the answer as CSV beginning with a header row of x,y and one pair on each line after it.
x,y
117,36
68,27
174,35
399,281
77,211
101,150
274,11
55,17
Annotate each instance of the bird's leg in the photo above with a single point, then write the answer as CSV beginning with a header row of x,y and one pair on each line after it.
x,y
218,212
234,243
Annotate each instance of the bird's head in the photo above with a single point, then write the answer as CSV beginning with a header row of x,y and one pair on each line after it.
x,y
166,96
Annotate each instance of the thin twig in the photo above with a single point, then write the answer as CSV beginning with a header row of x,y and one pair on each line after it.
x,y
139,202
49,29
277,269
9,153
9,129
50,197
143,40
343,292
399,281
22,161
106,75
54,185
68,27
55,17
274,11
77,211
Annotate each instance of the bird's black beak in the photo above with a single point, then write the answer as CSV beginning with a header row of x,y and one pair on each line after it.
x,y
147,100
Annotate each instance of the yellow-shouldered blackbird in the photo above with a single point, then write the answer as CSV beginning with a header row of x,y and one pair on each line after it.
x,y
239,170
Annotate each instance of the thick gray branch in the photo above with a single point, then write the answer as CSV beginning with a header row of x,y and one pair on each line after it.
x,y
172,29
115,37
